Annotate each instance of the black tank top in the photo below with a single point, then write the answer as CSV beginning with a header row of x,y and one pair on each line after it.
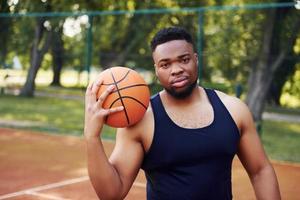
x,y
187,163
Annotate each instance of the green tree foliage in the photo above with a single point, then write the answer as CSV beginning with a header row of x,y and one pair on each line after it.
x,y
281,29
5,30
232,40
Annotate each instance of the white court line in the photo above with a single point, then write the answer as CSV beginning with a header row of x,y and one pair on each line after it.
x,y
47,196
45,187
33,191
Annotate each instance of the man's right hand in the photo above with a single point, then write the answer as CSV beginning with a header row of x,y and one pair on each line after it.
x,y
94,112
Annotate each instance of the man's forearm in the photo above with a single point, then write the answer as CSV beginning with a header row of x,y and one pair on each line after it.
x,y
103,175
265,184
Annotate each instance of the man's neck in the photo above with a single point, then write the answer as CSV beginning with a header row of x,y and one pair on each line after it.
x,y
170,100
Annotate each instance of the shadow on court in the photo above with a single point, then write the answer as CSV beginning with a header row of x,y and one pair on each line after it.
x,y
40,166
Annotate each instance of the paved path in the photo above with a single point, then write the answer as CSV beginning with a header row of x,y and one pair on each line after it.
x,y
281,117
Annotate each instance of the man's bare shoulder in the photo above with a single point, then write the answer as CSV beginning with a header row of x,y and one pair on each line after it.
x,y
237,108
139,130
231,101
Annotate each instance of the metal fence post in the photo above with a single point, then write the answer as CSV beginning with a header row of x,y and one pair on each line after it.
x,y
89,46
200,36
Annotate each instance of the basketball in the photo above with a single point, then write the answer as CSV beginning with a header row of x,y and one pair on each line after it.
x,y
131,92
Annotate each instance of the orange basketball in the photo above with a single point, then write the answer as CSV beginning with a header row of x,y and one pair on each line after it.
x,y
131,92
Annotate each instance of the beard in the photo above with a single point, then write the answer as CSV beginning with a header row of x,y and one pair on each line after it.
x,y
184,93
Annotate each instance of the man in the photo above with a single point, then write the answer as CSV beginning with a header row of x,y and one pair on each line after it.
x,y
185,142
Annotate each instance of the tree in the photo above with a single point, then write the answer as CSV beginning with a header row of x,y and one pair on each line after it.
x,y
281,28
57,47
282,75
5,24
40,45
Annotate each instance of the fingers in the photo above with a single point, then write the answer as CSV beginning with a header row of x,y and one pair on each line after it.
x,y
88,93
92,90
89,88
96,104
96,86
113,110
105,94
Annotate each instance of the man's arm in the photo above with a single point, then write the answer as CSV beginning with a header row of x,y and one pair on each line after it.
x,y
110,179
254,159
113,178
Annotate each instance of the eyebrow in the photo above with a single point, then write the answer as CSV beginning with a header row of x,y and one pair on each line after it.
x,y
184,55
167,59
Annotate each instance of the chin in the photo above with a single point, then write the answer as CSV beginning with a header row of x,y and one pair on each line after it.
x,y
182,93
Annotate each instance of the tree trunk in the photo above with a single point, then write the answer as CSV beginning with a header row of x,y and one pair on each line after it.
x,y
260,80
270,59
284,72
5,24
57,55
37,55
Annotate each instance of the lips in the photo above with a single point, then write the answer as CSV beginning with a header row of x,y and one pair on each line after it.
x,y
179,82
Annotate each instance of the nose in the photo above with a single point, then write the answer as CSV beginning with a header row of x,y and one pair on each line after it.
x,y
176,69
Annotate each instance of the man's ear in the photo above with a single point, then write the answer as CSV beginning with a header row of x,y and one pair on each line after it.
x,y
155,69
197,58
156,79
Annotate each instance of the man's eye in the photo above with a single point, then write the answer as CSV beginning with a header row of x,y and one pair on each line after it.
x,y
165,65
185,60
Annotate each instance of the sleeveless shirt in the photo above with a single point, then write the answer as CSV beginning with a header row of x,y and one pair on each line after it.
x,y
191,164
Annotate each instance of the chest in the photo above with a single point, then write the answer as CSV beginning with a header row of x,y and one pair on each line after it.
x,y
173,146
197,116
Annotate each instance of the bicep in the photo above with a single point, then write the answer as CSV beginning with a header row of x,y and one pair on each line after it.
x,y
250,151
127,158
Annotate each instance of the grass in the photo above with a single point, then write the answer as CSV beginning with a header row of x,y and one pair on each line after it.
x,y
55,115
47,114
282,140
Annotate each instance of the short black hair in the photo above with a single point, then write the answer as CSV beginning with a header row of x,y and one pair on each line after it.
x,y
168,34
